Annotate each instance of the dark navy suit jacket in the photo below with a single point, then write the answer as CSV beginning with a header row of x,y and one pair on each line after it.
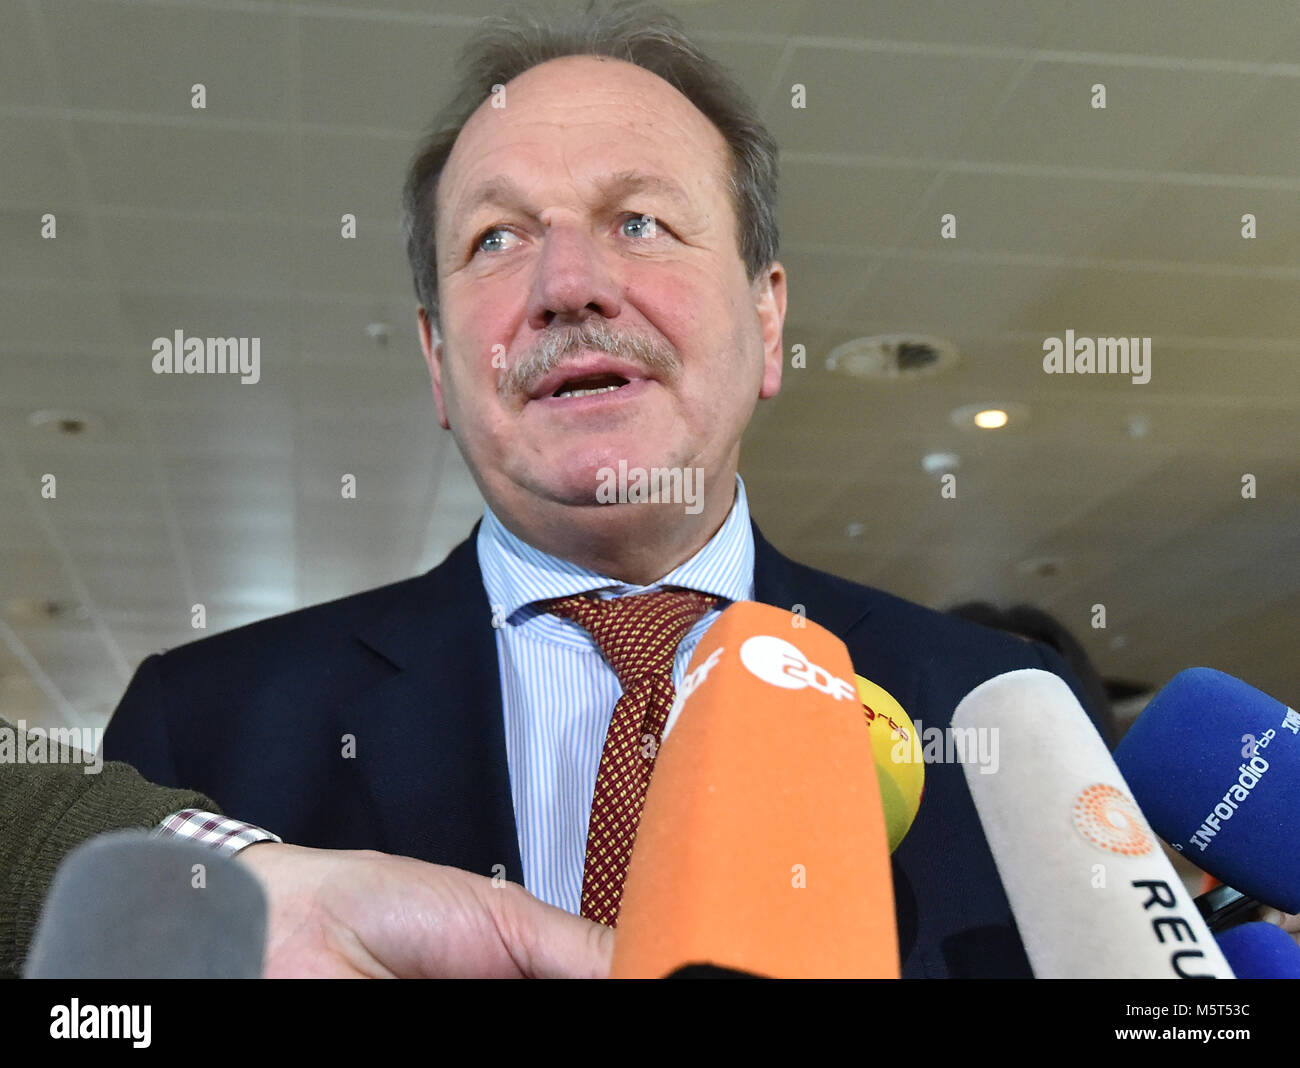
x,y
256,718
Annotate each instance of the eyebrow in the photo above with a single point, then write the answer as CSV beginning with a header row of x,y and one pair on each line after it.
x,y
502,191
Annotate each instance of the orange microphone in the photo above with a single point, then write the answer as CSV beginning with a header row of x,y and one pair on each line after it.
x,y
762,846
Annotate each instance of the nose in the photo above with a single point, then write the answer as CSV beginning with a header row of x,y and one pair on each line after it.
x,y
574,280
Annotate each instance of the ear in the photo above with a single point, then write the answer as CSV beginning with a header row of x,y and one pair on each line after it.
x,y
431,343
769,303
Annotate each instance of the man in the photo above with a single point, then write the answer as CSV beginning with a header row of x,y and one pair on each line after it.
x,y
330,913
593,241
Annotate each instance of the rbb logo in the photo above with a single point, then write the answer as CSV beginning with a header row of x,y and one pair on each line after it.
x,y
776,661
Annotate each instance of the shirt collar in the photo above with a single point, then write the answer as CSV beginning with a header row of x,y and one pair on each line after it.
x,y
515,574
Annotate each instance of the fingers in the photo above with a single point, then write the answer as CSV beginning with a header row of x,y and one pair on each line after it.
x,y
547,942
366,914
1288,922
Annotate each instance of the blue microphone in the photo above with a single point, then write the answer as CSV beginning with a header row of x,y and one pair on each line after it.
x,y
1260,951
1214,764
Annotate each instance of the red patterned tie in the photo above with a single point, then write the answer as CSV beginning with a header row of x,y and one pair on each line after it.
x,y
638,635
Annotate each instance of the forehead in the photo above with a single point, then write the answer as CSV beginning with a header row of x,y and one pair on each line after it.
x,y
581,122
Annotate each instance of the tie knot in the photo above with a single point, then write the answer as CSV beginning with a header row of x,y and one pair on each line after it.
x,y
638,634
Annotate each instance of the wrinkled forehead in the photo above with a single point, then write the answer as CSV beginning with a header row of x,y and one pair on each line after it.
x,y
574,124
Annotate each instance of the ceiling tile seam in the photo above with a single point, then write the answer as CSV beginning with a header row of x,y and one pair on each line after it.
x,y
1148,549
775,95
1049,55
81,180
199,215
935,48
774,98
787,157
1228,622
293,129
226,124
897,252
71,571
988,168
336,13
39,676
1008,258
937,182
250,7
1065,395
1198,342
1206,624
1096,506
1218,123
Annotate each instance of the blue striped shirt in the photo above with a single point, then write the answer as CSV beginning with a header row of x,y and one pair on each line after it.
x,y
558,693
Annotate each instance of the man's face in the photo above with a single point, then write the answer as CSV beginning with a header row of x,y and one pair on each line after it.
x,y
552,278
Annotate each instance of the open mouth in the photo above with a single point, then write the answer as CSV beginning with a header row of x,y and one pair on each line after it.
x,y
587,385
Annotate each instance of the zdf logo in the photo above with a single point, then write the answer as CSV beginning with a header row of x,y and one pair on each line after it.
x,y
776,661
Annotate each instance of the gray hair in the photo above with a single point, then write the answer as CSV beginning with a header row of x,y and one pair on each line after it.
x,y
507,45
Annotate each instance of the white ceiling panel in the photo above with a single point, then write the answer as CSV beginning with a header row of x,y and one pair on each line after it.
x,y
888,104
395,77
1150,114
207,164
145,58
69,257
1173,28
225,222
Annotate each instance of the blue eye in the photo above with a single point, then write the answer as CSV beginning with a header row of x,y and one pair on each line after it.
x,y
649,227
484,236
492,239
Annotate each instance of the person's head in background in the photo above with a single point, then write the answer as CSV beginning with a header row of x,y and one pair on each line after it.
x,y
578,221
1033,624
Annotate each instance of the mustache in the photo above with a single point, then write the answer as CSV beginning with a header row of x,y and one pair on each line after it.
x,y
550,351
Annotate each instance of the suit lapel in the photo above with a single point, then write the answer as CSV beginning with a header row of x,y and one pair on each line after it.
x,y
781,582
430,737
431,747
859,616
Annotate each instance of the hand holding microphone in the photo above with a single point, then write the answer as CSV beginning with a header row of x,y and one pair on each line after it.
x,y
351,914
128,906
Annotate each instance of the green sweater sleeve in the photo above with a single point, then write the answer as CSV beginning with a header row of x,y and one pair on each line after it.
x,y
46,810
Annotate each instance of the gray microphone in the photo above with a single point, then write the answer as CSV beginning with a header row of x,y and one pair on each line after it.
x,y
129,906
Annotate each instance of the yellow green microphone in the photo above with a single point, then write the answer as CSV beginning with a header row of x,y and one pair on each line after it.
x,y
900,769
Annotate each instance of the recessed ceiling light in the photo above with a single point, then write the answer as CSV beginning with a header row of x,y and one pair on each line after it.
x,y
43,610
64,421
937,463
988,416
1040,566
892,356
